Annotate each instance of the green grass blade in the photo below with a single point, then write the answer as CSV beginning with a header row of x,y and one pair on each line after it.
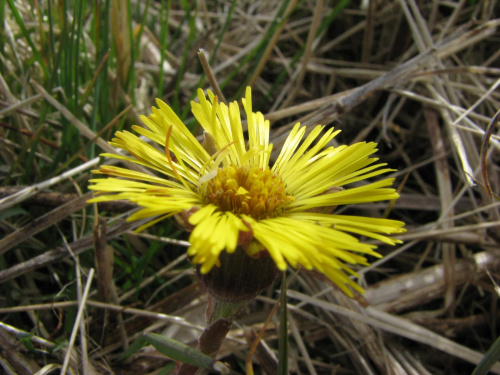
x,y
258,52
213,53
102,100
191,18
164,16
334,13
74,53
179,351
130,84
27,36
138,343
489,359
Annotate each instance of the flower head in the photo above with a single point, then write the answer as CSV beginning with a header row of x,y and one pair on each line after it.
x,y
230,195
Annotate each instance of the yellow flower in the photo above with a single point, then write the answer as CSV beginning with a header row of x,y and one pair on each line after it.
x,y
230,195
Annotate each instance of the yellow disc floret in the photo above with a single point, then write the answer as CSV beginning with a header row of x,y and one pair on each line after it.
x,y
247,190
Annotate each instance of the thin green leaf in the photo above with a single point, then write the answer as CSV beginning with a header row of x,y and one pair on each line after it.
x,y
25,339
164,17
332,16
61,345
4,214
489,359
167,369
213,53
255,55
179,351
26,34
191,14
139,342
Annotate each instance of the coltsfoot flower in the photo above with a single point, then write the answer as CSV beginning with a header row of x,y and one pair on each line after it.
x,y
229,196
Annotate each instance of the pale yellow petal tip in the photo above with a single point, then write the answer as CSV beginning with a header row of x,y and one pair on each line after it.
x,y
248,93
206,268
282,266
159,103
345,284
357,288
202,97
144,118
348,292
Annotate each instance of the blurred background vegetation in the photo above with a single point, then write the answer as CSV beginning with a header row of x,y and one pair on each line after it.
x,y
419,77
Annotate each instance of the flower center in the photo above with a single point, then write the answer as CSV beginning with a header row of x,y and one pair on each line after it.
x,y
247,190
